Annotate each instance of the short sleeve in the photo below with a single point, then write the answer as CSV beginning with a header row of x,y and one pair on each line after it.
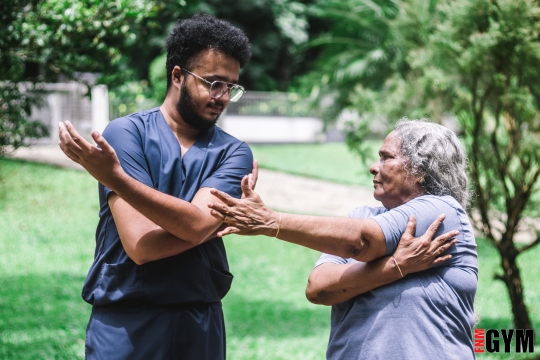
x,y
332,259
363,212
229,175
394,222
126,139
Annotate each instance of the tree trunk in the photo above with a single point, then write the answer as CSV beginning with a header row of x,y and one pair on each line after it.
x,y
512,279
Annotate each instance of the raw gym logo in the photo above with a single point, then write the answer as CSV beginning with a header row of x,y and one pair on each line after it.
x,y
494,341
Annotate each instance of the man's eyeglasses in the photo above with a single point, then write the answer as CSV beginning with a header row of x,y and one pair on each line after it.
x,y
218,88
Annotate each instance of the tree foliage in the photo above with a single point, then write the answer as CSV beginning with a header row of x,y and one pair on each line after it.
x,y
44,41
476,62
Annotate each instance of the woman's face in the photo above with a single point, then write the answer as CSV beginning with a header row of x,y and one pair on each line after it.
x,y
393,185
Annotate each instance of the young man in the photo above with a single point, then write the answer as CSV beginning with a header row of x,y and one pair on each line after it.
x,y
159,272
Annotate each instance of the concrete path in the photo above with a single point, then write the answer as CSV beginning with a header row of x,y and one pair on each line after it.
x,y
279,191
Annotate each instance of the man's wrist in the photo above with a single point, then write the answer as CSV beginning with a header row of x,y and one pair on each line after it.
x,y
119,182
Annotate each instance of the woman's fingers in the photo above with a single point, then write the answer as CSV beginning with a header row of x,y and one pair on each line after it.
x,y
432,229
444,238
228,230
411,228
445,246
226,198
246,188
254,175
442,259
217,212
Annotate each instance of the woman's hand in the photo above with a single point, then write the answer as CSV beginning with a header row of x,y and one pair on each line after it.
x,y
247,216
253,177
417,254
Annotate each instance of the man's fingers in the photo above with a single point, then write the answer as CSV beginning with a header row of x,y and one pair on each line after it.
x,y
77,139
226,198
68,153
66,139
432,229
102,143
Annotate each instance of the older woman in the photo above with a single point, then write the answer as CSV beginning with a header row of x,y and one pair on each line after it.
x,y
380,308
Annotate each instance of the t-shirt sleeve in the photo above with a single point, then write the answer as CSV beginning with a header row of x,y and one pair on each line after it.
x,y
394,222
363,212
332,259
126,139
229,175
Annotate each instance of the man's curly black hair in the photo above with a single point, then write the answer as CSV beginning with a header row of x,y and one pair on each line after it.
x,y
190,36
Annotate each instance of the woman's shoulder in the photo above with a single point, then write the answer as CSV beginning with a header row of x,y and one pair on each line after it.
x,y
428,203
366,212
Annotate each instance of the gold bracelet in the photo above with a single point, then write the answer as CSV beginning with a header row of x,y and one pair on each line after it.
x,y
279,225
395,262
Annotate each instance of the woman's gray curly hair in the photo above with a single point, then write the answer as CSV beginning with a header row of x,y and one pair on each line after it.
x,y
435,154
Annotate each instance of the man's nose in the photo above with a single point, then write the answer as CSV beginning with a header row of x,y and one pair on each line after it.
x,y
224,96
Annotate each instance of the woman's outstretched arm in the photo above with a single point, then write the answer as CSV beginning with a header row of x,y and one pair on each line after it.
x,y
360,239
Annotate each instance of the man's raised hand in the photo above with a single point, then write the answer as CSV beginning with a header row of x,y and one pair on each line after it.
x,y
101,162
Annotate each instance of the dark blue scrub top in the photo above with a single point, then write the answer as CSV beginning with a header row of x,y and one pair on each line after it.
x,y
150,153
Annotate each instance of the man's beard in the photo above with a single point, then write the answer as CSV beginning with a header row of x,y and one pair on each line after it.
x,y
187,109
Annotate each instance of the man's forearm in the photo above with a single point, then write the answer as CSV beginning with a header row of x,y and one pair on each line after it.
x,y
331,284
179,217
155,245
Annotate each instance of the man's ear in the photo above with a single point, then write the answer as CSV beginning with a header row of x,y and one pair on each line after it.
x,y
177,76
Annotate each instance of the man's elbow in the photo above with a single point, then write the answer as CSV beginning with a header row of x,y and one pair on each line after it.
x,y
196,237
138,252
199,234
138,258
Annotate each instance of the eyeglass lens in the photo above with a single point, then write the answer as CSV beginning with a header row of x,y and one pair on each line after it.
x,y
219,88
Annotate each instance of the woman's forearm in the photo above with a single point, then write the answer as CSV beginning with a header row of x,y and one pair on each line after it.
x,y
361,239
331,284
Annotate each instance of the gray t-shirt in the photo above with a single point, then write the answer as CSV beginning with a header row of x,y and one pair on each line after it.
x,y
425,315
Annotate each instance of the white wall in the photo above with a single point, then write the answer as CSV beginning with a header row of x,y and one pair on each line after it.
x,y
273,129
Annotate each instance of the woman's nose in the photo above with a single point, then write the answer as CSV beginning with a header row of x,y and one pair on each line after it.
x,y
374,169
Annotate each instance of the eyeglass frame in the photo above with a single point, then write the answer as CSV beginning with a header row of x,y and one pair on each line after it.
x,y
240,87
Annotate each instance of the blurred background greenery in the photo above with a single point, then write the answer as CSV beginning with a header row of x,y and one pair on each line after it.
x,y
473,65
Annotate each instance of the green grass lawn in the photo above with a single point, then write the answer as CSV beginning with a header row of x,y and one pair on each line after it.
x,y
47,222
326,161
